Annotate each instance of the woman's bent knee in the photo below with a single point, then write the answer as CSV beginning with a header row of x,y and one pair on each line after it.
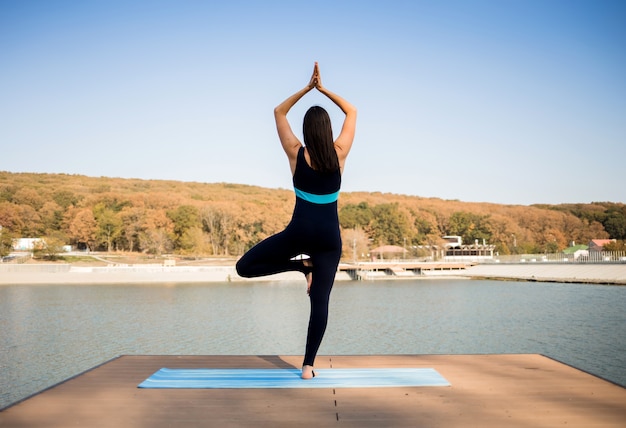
x,y
242,269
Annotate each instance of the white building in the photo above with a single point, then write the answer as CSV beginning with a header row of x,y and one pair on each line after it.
x,y
25,244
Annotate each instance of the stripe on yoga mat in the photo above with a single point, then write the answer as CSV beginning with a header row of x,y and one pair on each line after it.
x,y
290,378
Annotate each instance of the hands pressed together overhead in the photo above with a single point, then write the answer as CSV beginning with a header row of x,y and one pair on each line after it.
x,y
288,139
316,78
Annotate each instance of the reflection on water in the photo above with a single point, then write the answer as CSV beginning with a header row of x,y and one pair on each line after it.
x,y
49,333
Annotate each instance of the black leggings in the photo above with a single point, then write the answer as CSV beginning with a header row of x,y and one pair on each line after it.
x,y
306,234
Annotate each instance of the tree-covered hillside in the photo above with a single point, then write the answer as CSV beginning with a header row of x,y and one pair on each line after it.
x,y
157,216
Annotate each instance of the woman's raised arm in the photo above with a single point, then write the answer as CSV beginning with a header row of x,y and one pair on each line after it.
x,y
288,139
343,143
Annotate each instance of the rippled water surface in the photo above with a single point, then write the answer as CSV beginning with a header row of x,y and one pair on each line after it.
x,y
49,333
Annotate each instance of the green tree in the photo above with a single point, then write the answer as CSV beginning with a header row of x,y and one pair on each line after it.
x,y
469,226
109,225
390,225
194,241
354,216
184,217
65,198
6,241
615,222
423,229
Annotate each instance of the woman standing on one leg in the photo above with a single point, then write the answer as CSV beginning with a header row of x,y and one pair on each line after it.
x,y
313,230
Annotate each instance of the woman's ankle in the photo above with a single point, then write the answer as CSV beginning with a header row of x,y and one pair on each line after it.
x,y
307,372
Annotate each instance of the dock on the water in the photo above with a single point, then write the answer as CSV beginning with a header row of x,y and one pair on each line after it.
x,y
485,391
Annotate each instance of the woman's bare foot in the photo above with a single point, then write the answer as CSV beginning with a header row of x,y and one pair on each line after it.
x,y
307,372
309,276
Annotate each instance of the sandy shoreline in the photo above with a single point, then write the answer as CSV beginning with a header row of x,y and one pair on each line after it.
x,y
46,274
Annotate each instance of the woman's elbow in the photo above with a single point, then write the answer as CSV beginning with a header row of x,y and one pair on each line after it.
x,y
279,111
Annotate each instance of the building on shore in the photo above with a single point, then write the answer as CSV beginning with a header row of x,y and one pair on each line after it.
x,y
597,245
456,251
452,249
470,253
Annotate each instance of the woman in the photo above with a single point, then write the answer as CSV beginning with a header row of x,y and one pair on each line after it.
x,y
314,227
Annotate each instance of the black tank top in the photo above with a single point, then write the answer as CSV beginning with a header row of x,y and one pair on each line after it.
x,y
314,186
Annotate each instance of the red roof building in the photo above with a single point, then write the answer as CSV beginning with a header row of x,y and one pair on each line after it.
x,y
598,244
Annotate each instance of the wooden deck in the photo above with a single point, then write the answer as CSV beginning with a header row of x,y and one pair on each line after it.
x,y
486,391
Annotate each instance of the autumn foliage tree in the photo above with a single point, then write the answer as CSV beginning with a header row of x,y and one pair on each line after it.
x,y
82,227
159,217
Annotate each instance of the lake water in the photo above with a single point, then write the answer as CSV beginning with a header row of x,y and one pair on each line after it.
x,y
49,333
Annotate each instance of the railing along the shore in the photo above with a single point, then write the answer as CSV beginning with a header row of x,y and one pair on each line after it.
x,y
589,257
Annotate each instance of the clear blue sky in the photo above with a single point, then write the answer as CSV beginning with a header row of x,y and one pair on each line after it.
x,y
505,101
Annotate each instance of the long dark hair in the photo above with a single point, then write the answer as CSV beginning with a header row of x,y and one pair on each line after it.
x,y
318,139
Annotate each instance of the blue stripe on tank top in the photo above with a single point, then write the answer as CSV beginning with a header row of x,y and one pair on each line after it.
x,y
317,199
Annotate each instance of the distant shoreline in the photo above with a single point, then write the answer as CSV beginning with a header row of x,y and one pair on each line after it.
x,y
58,274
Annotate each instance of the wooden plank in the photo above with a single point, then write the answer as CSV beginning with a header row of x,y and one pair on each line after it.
x,y
486,391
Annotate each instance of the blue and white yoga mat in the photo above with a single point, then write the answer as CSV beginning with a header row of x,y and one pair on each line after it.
x,y
290,378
